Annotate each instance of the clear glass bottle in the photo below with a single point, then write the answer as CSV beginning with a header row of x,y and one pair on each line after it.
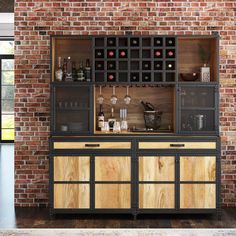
x,y
59,72
80,73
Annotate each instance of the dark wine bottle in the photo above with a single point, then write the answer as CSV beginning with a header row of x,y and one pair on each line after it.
x,y
99,53
101,118
111,77
111,65
122,53
111,53
158,53
87,70
74,71
99,65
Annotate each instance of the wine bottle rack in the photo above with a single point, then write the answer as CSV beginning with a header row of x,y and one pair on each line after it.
x,y
134,59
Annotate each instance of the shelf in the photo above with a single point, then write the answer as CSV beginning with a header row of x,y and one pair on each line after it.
x,y
198,108
73,109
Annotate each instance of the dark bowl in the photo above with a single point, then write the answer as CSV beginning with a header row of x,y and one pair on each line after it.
x,y
189,76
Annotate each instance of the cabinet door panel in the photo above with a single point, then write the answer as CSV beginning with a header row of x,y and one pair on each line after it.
x,y
71,196
156,168
197,168
156,196
112,196
112,168
71,168
197,196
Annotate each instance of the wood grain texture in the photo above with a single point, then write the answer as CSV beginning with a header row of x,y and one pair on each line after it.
x,y
156,168
71,168
187,145
112,168
198,196
197,168
71,196
156,196
6,6
189,59
161,98
102,145
112,196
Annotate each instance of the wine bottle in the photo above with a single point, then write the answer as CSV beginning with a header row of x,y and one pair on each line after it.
x,y
64,69
112,119
80,72
111,53
59,72
74,71
101,118
122,53
158,53
87,70
111,65
69,69
111,77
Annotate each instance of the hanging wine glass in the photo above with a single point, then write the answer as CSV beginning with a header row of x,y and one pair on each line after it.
x,y
127,98
114,97
100,98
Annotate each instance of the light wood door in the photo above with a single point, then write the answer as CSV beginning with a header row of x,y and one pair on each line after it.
x,y
116,196
197,196
71,196
112,168
71,168
156,168
156,196
197,168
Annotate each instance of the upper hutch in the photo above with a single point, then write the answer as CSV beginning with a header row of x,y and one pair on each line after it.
x,y
172,167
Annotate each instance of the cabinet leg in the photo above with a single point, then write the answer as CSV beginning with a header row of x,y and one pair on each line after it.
x,y
219,214
135,216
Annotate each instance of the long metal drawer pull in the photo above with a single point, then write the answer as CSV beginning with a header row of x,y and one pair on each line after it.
x,y
92,145
177,145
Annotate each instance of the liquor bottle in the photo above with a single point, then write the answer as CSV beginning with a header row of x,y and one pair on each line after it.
x,y
74,71
112,119
101,118
87,70
80,72
64,69
69,69
147,106
59,72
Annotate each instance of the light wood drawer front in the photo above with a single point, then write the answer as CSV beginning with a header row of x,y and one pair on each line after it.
x,y
197,196
156,168
197,168
156,196
112,196
71,196
112,168
71,168
92,145
177,145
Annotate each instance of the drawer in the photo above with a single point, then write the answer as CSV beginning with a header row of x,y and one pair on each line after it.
x,y
92,145
177,145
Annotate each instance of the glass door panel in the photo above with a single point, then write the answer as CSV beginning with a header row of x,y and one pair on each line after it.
x,y
72,109
198,109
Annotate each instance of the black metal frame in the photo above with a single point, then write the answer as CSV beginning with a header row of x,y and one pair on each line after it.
x,y
135,152
2,57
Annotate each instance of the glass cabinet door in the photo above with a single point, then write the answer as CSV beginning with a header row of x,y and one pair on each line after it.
x,y
198,109
72,109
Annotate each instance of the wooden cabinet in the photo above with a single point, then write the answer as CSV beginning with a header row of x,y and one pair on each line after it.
x,y
71,196
195,174
112,168
197,196
156,168
156,196
71,168
112,196
197,168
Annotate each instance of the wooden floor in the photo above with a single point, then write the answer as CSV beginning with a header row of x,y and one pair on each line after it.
x,y
39,218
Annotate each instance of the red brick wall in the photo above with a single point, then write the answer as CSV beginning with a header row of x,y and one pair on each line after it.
x,y
36,20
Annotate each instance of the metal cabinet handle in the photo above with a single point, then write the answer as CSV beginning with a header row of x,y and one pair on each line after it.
x,y
177,145
92,145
